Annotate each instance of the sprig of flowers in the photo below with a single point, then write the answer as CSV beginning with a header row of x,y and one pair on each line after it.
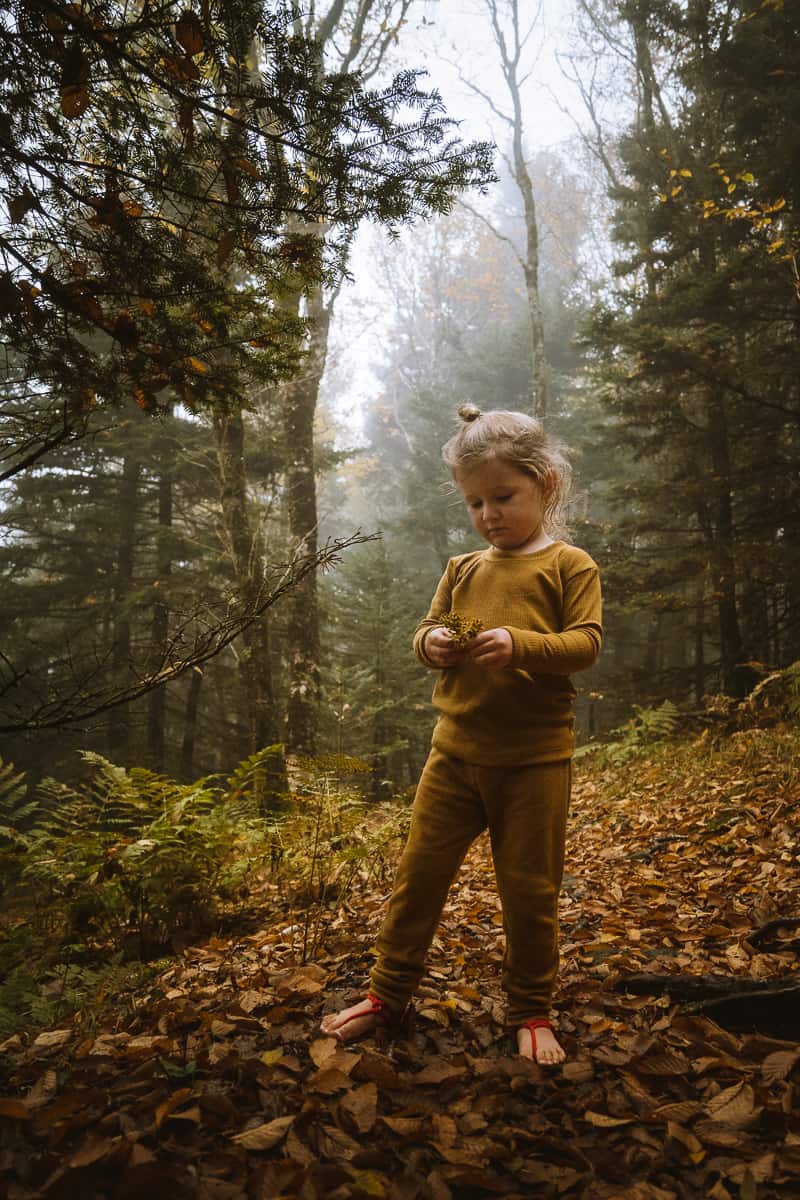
x,y
461,629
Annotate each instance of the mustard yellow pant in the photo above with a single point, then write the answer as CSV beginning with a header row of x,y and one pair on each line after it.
x,y
525,809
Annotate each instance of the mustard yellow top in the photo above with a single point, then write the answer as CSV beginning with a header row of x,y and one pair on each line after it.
x,y
549,602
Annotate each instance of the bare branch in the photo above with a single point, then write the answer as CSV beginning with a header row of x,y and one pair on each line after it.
x,y
243,611
501,237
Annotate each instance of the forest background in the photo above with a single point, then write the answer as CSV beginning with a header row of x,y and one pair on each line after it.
x,y
222,374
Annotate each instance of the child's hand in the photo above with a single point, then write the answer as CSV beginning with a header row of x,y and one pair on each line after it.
x,y
492,648
441,649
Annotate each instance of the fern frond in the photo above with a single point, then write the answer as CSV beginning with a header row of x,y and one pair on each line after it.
x,y
254,780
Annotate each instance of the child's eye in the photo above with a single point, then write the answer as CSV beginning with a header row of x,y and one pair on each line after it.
x,y
503,499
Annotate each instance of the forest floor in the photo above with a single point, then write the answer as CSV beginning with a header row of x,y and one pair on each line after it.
x,y
216,1083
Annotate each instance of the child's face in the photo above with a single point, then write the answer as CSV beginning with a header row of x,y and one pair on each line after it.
x,y
505,505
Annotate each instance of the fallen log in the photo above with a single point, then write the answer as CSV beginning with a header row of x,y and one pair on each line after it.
x,y
770,1007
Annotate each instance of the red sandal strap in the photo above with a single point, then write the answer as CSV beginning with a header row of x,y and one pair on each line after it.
x,y
537,1023
377,1006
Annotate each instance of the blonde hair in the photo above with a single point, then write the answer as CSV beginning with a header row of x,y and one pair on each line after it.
x,y
520,441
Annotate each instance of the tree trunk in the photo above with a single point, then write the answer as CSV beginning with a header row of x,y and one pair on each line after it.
x,y
119,717
699,639
190,725
248,563
722,553
300,397
510,51
157,701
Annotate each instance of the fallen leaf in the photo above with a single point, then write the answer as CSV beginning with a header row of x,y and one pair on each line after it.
x,y
14,1109
264,1137
328,1080
53,1037
43,1090
168,1106
734,1106
604,1121
361,1106
779,1065
93,1150
439,1072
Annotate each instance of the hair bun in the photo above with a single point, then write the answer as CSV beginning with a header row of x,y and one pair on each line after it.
x,y
469,413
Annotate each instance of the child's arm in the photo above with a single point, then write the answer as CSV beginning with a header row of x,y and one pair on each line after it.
x,y
575,648
433,644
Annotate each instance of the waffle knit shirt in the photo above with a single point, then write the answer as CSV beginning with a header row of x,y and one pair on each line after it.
x,y
549,602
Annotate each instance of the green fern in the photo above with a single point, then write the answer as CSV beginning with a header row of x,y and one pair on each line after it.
x,y
647,727
258,784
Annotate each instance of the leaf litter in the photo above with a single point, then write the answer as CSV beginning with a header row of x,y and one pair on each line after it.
x,y
221,1086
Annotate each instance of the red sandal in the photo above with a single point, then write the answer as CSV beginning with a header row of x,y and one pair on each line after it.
x,y
532,1025
377,1007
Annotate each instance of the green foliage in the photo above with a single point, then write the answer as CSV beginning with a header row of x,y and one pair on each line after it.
x,y
127,863
158,171
16,810
647,727
130,859
332,841
36,992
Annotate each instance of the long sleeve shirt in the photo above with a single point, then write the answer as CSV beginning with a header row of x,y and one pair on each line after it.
x,y
549,602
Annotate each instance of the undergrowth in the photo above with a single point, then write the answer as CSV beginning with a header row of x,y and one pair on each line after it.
x,y
775,699
98,881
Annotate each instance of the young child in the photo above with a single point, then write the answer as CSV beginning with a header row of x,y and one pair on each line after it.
x,y
502,745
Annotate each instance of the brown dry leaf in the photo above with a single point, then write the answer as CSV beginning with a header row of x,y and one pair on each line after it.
x,y
439,1072
604,1121
681,1110
578,1072
662,1061
469,1155
344,1060
687,1139
14,1109
192,1114
378,1068
779,1065
715,1134
52,1037
328,1080
220,1029
43,1090
321,1050
140,1155
761,1169
93,1150
108,1043
168,1106
264,1137
361,1105
407,1127
146,1044
251,1000
734,1106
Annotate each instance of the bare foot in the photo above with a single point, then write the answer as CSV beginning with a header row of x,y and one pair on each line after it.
x,y
548,1052
355,1021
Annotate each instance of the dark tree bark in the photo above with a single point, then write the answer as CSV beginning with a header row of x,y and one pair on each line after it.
x,y
190,725
119,717
300,400
157,701
734,676
249,568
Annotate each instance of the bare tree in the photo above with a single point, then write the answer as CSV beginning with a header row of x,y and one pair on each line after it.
x,y
512,42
